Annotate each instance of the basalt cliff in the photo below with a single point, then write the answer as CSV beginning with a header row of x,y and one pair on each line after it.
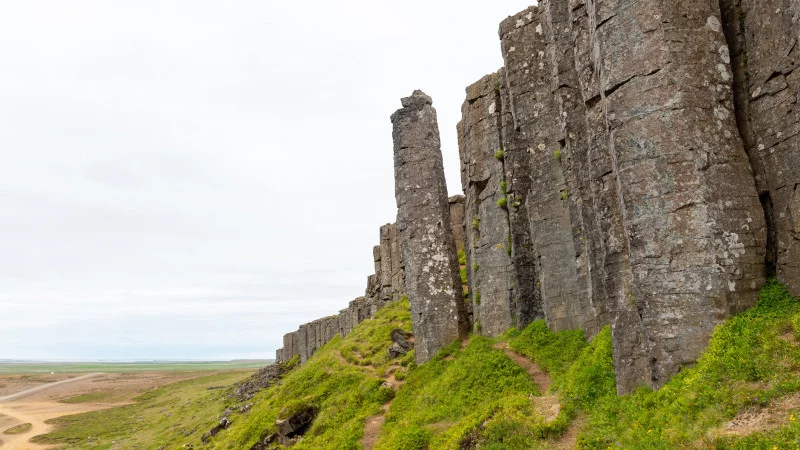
x,y
632,164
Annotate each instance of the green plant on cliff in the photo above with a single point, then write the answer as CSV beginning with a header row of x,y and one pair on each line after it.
x,y
564,194
463,272
502,203
476,223
462,257
557,154
503,187
498,155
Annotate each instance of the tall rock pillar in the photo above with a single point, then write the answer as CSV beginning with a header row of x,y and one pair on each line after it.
x,y
438,315
692,221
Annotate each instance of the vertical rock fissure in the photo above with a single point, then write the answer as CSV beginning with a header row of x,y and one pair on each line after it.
x,y
509,201
733,19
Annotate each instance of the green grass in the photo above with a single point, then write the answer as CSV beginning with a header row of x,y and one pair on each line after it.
x,y
171,415
445,398
19,429
91,397
748,363
342,380
477,397
121,367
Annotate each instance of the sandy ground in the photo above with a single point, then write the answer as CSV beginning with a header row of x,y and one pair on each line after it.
x,y
38,402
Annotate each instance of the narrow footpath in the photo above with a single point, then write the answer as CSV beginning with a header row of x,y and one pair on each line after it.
x,y
548,405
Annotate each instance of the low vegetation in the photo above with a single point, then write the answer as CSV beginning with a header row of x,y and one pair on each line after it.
x,y
171,416
473,395
91,397
443,399
343,381
18,429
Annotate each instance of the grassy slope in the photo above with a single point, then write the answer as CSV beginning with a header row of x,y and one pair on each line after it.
x,y
477,395
752,359
343,381
445,398
172,415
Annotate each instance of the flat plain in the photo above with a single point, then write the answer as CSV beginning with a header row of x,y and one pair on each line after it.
x,y
38,393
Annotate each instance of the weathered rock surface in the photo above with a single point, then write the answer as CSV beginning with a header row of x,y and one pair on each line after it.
x,y
536,137
438,315
262,379
490,273
763,40
630,198
632,164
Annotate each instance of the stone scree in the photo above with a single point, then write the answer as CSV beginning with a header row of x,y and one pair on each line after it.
x,y
631,164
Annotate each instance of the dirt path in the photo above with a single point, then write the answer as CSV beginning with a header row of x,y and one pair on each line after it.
x,y
30,391
373,425
549,406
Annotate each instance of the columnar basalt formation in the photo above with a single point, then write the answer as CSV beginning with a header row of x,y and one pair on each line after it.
x,y
438,315
490,273
536,136
626,177
763,40
631,164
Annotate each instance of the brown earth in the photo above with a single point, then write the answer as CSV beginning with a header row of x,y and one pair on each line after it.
x,y
775,415
10,384
42,404
548,406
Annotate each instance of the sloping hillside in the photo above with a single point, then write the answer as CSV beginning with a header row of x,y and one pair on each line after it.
x,y
527,389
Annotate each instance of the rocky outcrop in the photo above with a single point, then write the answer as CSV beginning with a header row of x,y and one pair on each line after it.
x,y
490,273
385,285
763,40
630,199
631,164
438,314
264,378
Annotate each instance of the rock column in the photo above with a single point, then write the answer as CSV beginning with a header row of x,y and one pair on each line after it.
x,y
423,224
692,221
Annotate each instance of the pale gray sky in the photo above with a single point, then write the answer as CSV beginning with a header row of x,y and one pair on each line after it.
x,y
193,179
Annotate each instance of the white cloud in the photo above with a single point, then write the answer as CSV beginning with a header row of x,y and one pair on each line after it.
x,y
194,179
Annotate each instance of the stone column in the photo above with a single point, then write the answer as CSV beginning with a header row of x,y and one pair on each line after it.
x,y
692,221
490,272
438,315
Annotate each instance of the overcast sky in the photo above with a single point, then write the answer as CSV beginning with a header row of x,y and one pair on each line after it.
x,y
193,179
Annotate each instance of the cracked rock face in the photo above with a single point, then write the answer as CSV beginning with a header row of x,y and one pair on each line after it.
x,y
490,272
423,225
764,37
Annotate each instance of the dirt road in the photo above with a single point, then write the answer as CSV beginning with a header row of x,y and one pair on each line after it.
x,y
24,403
32,413
30,391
